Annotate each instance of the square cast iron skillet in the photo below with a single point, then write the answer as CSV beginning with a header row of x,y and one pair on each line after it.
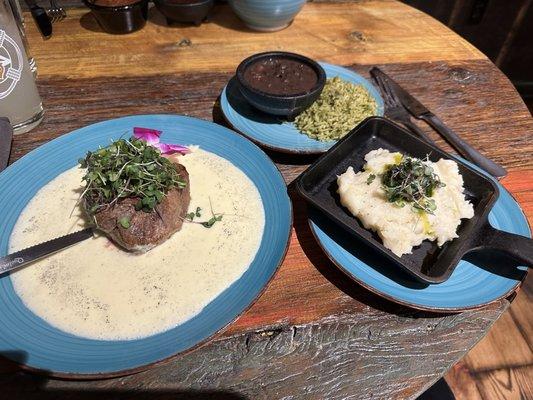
x,y
427,263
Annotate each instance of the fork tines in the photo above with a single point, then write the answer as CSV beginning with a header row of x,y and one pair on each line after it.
x,y
56,13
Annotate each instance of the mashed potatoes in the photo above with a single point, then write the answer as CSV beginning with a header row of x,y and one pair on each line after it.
x,y
402,228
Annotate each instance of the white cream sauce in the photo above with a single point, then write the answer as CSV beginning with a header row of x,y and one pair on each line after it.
x,y
98,291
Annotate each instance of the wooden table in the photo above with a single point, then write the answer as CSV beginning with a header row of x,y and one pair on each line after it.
x,y
313,333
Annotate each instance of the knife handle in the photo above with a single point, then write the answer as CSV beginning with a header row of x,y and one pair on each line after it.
x,y
41,19
464,148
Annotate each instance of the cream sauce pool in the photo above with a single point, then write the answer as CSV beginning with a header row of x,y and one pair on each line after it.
x,y
98,291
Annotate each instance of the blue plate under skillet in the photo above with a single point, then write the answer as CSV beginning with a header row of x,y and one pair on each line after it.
x,y
473,283
29,340
275,133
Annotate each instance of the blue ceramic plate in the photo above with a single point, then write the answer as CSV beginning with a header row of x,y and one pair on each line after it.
x,y
473,283
274,133
31,341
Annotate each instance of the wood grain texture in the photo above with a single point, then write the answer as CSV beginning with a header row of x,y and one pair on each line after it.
x,y
361,32
509,350
462,382
507,384
347,357
501,365
510,383
313,333
461,93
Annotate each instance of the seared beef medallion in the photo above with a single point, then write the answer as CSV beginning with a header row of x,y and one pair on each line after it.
x,y
146,229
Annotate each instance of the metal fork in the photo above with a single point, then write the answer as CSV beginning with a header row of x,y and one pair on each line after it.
x,y
396,111
56,13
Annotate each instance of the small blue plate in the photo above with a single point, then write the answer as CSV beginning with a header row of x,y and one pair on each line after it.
x,y
29,340
469,286
274,133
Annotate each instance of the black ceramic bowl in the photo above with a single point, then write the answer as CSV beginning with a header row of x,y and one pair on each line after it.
x,y
120,19
194,11
281,105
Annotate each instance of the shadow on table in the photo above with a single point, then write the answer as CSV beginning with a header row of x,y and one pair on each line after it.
x,y
224,16
344,283
17,384
87,21
155,17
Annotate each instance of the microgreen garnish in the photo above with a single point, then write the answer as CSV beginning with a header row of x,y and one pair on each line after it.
x,y
125,222
190,216
370,179
215,217
411,181
128,168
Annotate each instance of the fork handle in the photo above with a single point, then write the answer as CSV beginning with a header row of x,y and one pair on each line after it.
x,y
464,148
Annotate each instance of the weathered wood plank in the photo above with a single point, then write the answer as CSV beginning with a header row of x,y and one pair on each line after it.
x,y
363,32
522,190
461,93
347,357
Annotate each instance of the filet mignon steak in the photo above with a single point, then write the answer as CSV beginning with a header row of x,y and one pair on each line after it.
x,y
147,229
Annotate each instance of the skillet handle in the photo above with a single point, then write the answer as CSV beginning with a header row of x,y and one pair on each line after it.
x,y
518,247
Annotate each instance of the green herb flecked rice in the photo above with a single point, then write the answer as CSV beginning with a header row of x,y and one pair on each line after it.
x,y
340,107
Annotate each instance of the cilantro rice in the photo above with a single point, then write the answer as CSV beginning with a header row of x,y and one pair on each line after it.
x,y
341,106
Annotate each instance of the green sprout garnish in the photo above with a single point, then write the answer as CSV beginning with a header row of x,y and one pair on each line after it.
x,y
127,168
125,222
411,182
215,217
370,179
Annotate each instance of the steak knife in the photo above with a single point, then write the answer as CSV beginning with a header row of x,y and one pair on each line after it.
x,y
418,110
6,137
34,253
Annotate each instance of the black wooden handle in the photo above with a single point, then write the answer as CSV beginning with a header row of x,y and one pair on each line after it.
x,y
516,246
464,148
42,20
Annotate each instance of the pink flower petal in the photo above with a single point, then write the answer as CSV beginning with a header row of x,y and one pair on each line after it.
x,y
166,148
150,136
